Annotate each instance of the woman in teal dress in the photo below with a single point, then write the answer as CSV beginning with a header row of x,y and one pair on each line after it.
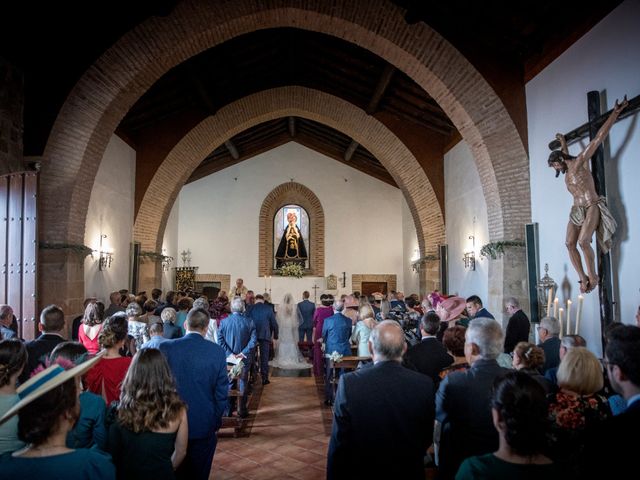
x,y
13,358
151,423
519,411
90,429
362,330
47,411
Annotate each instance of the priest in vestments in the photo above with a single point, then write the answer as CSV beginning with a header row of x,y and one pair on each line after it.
x,y
291,247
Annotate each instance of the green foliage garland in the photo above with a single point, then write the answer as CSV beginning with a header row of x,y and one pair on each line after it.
x,y
79,249
496,249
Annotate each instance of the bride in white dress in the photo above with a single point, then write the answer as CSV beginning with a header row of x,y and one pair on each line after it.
x,y
287,354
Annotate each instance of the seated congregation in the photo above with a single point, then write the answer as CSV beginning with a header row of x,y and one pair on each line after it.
x,y
438,387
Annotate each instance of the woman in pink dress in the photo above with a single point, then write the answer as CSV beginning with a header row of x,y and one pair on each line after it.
x,y
91,326
322,312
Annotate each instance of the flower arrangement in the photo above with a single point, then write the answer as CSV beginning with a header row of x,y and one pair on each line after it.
x,y
236,370
335,357
291,270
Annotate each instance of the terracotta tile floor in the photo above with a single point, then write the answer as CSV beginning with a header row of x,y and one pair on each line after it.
x,y
286,436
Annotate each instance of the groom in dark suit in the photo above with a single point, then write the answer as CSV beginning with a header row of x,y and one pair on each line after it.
x,y
200,370
266,326
385,406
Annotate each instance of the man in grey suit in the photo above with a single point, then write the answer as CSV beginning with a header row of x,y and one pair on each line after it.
x,y
306,309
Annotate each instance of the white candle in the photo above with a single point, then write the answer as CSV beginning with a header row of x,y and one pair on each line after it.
x,y
549,300
568,327
555,308
579,314
560,312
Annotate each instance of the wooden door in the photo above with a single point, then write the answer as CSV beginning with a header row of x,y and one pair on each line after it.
x,y
371,287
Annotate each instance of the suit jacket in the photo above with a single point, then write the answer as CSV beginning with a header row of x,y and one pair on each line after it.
x,y
517,331
551,347
385,407
237,334
336,332
264,320
170,330
428,357
483,313
38,351
463,408
200,370
306,309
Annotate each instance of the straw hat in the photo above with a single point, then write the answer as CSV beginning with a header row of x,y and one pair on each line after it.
x,y
451,308
45,381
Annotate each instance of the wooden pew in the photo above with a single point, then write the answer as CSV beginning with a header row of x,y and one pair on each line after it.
x,y
348,363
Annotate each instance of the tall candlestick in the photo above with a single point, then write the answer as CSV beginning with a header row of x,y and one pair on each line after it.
x,y
568,327
579,314
549,300
560,312
555,308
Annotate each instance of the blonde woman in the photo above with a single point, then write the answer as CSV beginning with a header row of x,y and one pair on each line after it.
x,y
362,330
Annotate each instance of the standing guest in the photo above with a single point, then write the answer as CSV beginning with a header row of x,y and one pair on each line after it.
x,y
184,305
475,308
75,325
336,333
156,332
105,379
429,356
548,332
350,309
566,343
92,324
249,301
518,326
220,307
138,330
529,358
519,411
148,316
306,309
156,293
200,370
364,327
463,407
397,301
90,429
239,290
169,328
170,297
266,328
385,308
13,358
451,312
46,413
114,304
322,312
6,319
50,326
453,340
406,427
212,330
149,438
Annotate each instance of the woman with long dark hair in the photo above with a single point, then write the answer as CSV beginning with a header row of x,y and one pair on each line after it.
x,y
149,438
13,358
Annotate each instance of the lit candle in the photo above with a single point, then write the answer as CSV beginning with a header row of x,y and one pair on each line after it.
x,y
579,314
568,328
549,300
555,308
560,312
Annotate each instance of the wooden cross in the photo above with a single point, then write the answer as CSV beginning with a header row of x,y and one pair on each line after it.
x,y
344,279
315,293
596,119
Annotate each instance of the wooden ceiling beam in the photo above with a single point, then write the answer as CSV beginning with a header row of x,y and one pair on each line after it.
x,y
292,126
381,87
201,91
232,149
348,153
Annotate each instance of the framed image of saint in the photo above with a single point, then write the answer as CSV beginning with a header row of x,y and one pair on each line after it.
x,y
291,236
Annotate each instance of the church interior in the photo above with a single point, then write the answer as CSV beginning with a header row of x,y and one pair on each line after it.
x,y
382,149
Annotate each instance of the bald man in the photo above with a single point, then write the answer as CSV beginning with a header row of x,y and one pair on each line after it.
x,y
404,430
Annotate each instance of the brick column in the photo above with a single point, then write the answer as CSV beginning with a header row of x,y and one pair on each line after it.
x,y
150,275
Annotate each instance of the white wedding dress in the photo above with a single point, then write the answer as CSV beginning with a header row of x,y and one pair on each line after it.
x,y
287,354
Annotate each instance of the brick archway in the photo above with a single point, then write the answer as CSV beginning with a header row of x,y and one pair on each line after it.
x,y
121,75
267,105
291,193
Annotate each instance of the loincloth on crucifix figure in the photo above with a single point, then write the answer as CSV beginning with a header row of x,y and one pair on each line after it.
x,y
589,212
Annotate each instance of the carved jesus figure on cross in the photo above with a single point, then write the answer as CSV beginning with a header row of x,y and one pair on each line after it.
x,y
589,211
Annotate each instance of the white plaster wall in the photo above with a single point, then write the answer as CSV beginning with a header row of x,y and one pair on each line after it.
x,y
111,213
606,59
170,247
411,252
466,214
218,219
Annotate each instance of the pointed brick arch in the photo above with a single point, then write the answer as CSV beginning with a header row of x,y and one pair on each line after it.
x,y
121,75
283,102
298,194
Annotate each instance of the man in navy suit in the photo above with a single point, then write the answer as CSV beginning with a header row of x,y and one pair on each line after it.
x,y
336,335
306,309
266,326
200,370
385,405
51,325
475,308
237,337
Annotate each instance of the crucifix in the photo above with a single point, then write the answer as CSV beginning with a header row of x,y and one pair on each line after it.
x,y
344,279
315,293
590,212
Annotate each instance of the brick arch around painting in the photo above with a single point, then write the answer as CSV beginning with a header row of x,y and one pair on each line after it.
x,y
286,194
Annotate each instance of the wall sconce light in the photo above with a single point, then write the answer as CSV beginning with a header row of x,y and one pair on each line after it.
x,y
105,256
469,258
